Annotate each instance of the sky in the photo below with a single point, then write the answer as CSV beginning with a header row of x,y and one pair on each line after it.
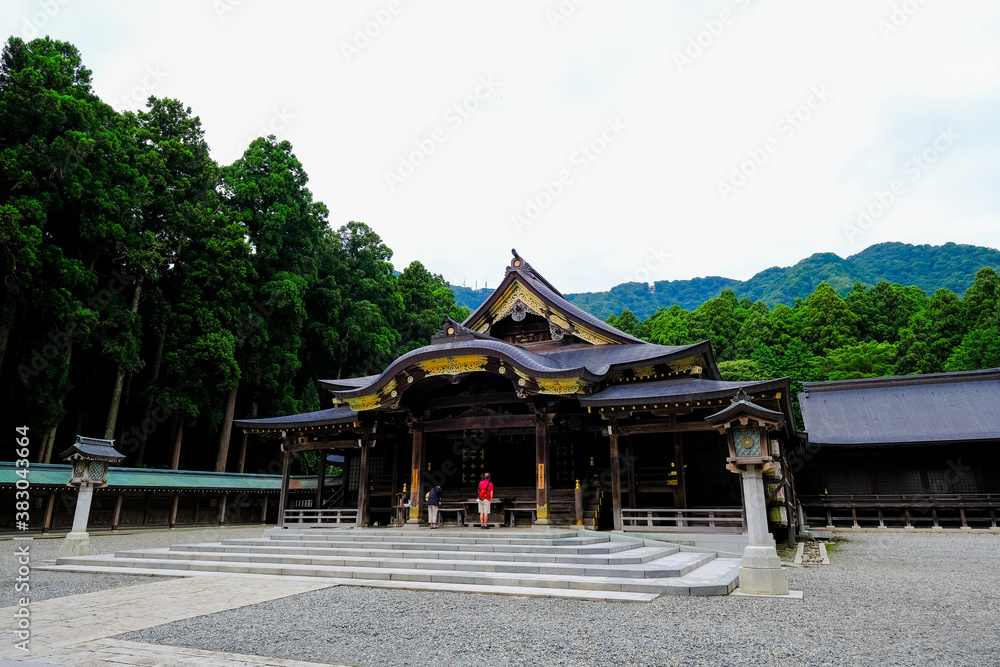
x,y
605,141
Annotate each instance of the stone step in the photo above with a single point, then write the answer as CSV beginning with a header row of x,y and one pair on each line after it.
x,y
674,565
485,546
521,591
634,555
714,577
441,538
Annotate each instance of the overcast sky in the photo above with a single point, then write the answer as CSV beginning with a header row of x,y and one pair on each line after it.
x,y
604,140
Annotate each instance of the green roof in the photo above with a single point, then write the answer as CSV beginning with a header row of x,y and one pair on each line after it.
x,y
57,474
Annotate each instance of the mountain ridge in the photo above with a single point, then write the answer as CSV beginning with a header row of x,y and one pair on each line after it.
x,y
952,266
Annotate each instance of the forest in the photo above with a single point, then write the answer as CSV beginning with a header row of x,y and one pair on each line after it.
x,y
150,295
873,331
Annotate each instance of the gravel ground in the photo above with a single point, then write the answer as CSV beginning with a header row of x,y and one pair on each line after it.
x,y
890,599
47,584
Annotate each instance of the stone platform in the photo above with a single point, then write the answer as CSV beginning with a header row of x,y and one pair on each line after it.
x,y
547,563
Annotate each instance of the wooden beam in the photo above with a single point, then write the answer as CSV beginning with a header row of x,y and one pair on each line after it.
x,y
321,444
484,422
118,511
417,476
647,428
320,479
680,498
363,485
542,472
49,508
462,401
616,479
286,469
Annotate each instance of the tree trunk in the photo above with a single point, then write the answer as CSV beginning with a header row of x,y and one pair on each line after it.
x,y
116,391
149,403
176,460
227,430
45,455
246,437
5,327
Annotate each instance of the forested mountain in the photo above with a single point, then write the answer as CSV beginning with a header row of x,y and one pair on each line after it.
x,y
150,295
928,267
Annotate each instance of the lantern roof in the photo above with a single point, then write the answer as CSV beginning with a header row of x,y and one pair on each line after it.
x,y
94,449
742,408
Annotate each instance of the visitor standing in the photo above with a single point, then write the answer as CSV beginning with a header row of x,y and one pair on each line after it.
x,y
485,497
433,505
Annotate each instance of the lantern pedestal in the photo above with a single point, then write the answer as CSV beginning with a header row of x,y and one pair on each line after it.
x,y
77,543
761,572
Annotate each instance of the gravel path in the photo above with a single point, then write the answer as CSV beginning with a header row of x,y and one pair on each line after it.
x,y
46,584
892,599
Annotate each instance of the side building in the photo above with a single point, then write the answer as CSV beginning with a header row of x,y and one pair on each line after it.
x,y
918,451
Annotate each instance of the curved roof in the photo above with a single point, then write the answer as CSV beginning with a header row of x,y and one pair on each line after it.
x,y
328,417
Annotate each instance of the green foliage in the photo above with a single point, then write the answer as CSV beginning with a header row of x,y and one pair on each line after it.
x,y
743,370
864,360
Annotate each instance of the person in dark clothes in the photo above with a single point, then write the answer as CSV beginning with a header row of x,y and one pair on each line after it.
x,y
433,505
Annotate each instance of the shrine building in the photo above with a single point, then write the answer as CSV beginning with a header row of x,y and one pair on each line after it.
x,y
578,423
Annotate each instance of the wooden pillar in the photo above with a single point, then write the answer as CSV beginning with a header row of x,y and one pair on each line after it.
x,y
616,476
417,514
173,508
320,479
286,468
221,517
145,512
263,511
680,498
49,509
363,484
118,511
542,472
630,475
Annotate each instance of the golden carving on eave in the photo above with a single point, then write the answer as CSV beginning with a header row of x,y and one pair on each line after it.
x,y
561,385
517,293
643,371
369,402
466,363
690,364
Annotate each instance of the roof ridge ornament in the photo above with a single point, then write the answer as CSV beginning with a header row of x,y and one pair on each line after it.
x,y
518,263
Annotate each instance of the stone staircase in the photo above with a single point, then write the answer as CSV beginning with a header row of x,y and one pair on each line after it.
x,y
548,563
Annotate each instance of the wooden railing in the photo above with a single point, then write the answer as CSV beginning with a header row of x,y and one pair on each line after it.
x,y
324,517
693,520
970,510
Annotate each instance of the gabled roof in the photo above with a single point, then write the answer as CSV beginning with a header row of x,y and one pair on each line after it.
x,y
93,448
743,405
525,290
938,407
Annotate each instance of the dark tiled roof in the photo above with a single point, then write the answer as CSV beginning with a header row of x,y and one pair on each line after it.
x,y
94,448
742,405
940,407
680,389
329,417
348,383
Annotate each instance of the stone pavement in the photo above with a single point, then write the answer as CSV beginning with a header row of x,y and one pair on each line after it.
x,y
77,630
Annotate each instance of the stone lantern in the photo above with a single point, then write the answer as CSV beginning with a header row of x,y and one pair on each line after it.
x,y
746,426
90,458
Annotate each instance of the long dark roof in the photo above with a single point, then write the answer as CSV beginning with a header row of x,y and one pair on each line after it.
x,y
676,390
939,407
329,417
